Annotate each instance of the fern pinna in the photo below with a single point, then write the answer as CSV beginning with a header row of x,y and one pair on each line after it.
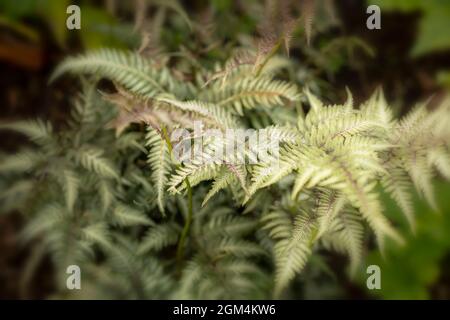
x,y
107,193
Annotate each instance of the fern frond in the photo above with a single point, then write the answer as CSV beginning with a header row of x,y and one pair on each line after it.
x,y
362,196
422,175
278,223
98,233
440,158
293,246
230,225
125,68
14,197
196,173
345,235
291,254
213,115
220,182
106,194
92,159
308,13
315,103
397,184
85,111
231,247
159,160
192,274
159,237
329,205
46,219
20,162
378,108
237,66
248,93
126,216
291,258
70,184
37,131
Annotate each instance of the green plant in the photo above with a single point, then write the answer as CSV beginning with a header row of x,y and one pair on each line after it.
x,y
115,200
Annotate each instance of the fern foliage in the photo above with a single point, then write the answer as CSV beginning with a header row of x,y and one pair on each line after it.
x,y
106,192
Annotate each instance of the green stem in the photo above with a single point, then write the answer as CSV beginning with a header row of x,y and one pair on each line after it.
x,y
187,224
166,137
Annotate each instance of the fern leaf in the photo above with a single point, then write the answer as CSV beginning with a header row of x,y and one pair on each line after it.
x,y
211,114
92,160
248,93
291,254
345,235
196,173
47,218
294,247
441,160
230,225
237,248
308,13
70,187
159,237
98,233
20,162
330,203
106,194
396,182
126,216
159,160
36,130
125,68
220,182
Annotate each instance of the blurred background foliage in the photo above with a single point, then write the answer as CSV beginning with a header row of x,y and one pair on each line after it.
x,y
100,27
419,269
409,56
434,22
